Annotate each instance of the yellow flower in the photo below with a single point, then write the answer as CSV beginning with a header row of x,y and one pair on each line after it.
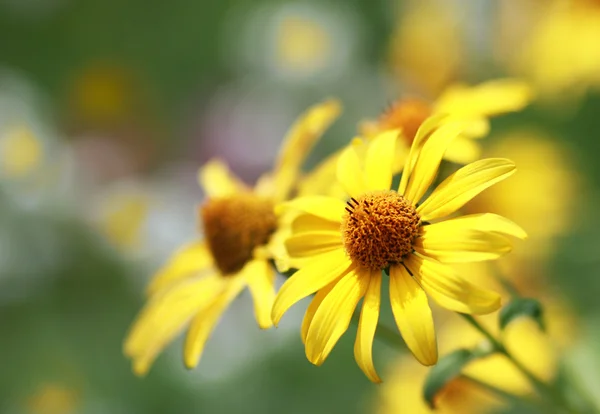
x,y
342,248
198,283
533,348
475,104
561,56
21,152
53,398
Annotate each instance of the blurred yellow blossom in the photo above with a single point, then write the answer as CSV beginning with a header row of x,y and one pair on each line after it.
x,y
53,398
21,151
302,44
124,217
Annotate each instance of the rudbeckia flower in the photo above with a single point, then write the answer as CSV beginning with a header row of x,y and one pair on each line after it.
x,y
474,104
198,283
341,248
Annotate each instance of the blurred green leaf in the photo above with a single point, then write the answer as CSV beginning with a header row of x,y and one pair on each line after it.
x,y
518,307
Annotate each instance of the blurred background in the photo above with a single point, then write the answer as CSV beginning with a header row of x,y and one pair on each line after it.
x,y
107,109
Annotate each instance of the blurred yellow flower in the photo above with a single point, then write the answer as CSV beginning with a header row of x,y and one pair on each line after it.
x,y
342,248
416,48
53,398
199,282
21,152
561,56
302,44
522,337
475,104
123,219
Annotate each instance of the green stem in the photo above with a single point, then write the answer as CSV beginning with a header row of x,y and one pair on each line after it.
x,y
506,284
545,390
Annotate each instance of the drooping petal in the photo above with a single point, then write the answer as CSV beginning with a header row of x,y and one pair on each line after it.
x,y
333,316
314,275
313,243
463,246
486,222
426,128
300,139
205,321
413,315
327,208
430,156
350,172
188,261
450,290
260,277
217,180
463,185
369,316
379,161
313,306
165,315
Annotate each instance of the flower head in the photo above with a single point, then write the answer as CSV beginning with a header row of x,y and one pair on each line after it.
x,y
342,248
199,282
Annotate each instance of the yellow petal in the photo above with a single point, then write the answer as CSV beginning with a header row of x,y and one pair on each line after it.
x,y
463,150
350,171
449,290
489,98
428,161
308,223
379,161
413,315
321,178
426,128
165,316
312,308
205,321
460,247
333,316
327,208
260,277
369,316
298,142
463,185
486,222
188,261
312,243
216,180
316,274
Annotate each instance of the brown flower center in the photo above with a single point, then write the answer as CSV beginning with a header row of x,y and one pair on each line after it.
x,y
407,114
379,229
234,226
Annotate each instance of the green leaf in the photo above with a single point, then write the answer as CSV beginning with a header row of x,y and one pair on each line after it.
x,y
519,307
447,368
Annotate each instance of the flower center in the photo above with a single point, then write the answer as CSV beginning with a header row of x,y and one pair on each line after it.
x,y
234,226
379,229
407,114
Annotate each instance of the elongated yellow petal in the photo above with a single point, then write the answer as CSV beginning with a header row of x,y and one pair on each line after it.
x,y
327,208
217,180
413,315
309,223
486,222
333,316
299,141
205,321
429,158
426,128
463,185
463,246
449,290
350,170
489,98
463,150
260,277
369,316
312,243
316,274
165,316
189,261
379,161
313,306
